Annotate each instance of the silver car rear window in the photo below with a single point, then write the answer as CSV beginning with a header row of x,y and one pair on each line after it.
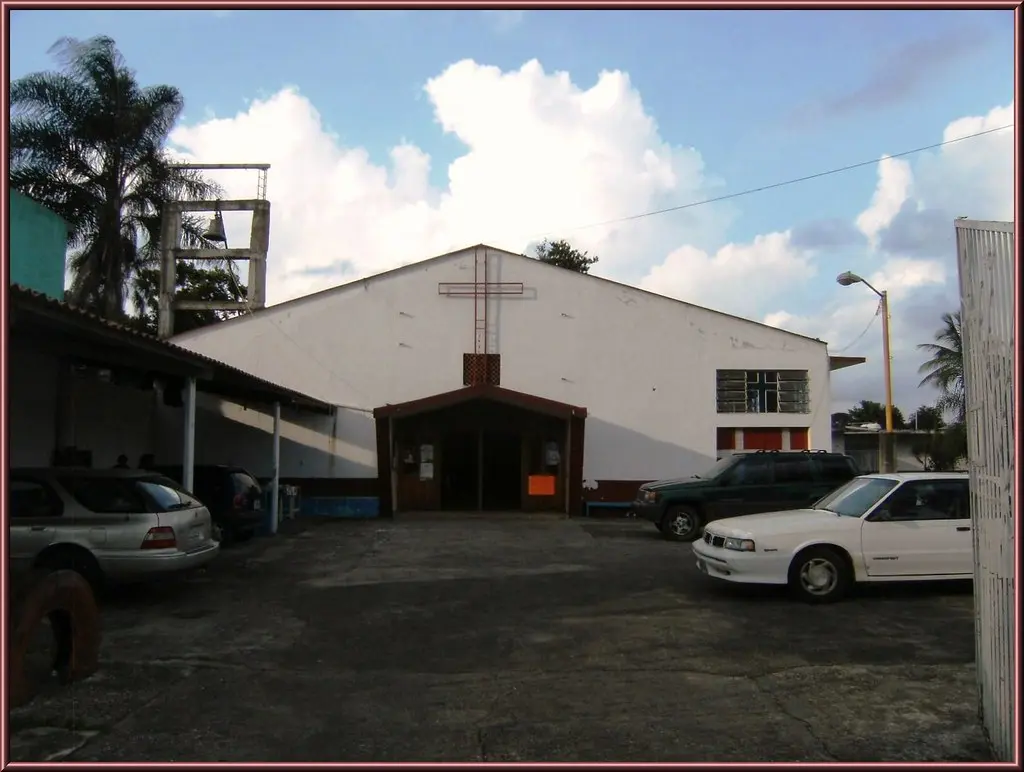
x,y
167,494
107,495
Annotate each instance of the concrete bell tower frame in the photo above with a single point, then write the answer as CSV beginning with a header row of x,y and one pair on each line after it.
x,y
256,253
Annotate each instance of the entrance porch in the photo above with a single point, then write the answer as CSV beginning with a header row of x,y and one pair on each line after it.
x,y
480,449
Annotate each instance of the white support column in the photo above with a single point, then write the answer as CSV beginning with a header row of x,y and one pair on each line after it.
x,y
188,459
275,497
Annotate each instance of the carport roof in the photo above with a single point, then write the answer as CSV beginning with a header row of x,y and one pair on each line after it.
x,y
101,342
481,392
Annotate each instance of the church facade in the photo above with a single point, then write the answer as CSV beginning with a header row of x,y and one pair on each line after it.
x,y
486,380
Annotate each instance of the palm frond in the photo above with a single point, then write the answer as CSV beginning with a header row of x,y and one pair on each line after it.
x,y
88,142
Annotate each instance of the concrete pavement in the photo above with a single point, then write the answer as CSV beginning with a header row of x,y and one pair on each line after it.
x,y
517,639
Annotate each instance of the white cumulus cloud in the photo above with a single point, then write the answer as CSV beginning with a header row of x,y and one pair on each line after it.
x,y
894,184
910,223
543,156
712,280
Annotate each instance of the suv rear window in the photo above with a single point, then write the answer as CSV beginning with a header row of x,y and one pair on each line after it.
x,y
244,482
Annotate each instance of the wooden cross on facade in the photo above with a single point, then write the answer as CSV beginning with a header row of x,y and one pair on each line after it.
x,y
480,289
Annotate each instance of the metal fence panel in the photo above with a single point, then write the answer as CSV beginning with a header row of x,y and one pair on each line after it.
x,y
986,267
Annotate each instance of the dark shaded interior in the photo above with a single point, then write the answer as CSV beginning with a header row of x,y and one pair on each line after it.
x,y
502,470
480,450
460,471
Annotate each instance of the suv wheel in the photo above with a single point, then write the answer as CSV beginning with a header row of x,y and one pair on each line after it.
x,y
681,524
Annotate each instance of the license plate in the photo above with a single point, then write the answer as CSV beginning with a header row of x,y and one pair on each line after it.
x,y
702,566
256,505
198,532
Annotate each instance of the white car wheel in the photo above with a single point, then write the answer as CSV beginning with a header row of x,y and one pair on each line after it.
x,y
820,575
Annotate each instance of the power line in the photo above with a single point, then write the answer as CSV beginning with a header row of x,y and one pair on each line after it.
x,y
775,185
856,340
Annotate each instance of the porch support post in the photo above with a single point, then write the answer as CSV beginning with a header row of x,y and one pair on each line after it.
x,y
188,459
275,498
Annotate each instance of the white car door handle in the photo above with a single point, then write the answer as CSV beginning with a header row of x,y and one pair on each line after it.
x,y
963,528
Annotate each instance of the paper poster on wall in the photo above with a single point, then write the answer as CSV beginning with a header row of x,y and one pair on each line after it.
x,y
426,471
426,454
551,455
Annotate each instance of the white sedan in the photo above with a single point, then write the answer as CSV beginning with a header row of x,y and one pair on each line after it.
x,y
877,528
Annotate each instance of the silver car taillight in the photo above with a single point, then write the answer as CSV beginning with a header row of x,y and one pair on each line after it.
x,y
159,538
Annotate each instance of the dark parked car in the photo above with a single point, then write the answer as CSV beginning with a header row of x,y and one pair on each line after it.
x,y
232,495
741,484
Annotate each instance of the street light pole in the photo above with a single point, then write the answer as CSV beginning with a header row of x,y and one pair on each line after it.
x,y
845,279
886,358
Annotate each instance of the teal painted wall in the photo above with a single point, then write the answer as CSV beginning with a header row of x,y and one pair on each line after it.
x,y
38,246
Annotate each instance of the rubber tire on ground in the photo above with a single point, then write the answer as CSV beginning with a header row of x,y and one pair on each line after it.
x,y
39,595
77,560
843,575
696,523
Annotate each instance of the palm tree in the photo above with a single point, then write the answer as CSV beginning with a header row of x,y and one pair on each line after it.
x,y
88,143
945,369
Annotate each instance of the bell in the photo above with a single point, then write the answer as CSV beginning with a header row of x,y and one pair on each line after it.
x,y
215,230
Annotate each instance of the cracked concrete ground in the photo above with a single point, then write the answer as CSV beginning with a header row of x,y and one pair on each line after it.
x,y
509,639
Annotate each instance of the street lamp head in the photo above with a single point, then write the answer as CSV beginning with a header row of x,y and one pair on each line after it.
x,y
846,278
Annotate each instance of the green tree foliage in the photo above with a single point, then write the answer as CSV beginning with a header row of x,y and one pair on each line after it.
x,y
193,283
88,143
945,369
868,411
562,254
926,418
942,451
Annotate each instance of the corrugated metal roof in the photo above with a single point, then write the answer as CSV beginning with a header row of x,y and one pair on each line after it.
x,y
261,389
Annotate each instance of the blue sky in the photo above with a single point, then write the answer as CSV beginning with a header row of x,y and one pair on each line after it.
x,y
760,96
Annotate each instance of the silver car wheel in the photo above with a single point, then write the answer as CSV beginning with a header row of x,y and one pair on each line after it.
x,y
819,576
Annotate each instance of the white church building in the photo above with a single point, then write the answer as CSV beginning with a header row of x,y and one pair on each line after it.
x,y
487,380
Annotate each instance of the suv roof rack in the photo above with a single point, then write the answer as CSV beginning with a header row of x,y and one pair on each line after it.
x,y
775,449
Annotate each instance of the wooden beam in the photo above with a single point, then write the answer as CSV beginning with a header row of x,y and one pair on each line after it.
x,y
209,305
235,205
212,254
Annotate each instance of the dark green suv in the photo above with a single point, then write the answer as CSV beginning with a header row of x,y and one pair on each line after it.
x,y
741,484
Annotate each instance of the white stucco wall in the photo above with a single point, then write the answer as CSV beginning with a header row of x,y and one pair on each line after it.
x,y
32,404
226,433
644,366
106,418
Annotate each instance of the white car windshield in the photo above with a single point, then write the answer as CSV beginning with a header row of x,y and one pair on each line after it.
x,y
856,497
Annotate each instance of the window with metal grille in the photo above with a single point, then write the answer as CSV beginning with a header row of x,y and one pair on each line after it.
x,y
763,391
480,369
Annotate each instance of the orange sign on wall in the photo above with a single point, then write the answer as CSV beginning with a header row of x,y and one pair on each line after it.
x,y
541,485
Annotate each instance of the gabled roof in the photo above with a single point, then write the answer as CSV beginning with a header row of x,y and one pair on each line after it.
x,y
481,392
82,329
409,267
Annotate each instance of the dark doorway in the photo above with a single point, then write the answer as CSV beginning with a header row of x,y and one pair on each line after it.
x,y
502,471
460,470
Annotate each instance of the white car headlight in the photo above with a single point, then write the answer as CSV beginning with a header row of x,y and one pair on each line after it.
x,y
650,497
740,545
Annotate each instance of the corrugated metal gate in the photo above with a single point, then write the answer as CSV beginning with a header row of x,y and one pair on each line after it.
x,y
986,265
